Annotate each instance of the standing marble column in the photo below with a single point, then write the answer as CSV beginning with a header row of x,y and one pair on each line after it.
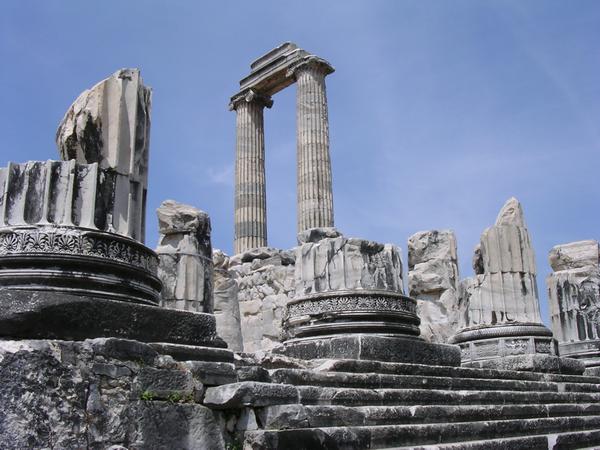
x,y
315,198
250,197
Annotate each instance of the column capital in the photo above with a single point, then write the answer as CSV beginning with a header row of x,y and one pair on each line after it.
x,y
310,62
250,96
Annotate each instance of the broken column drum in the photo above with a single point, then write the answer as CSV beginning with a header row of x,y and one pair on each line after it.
x,y
501,316
270,74
349,303
574,295
72,262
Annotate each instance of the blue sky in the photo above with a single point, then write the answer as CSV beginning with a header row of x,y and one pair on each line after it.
x,y
439,111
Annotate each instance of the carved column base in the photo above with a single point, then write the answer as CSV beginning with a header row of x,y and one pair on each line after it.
x,y
360,311
374,347
74,260
587,351
527,346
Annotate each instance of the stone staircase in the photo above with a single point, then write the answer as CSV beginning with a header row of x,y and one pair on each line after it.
x,y
351,404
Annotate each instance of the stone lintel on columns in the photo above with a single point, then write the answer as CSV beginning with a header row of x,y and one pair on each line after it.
x,y
248,96
310,61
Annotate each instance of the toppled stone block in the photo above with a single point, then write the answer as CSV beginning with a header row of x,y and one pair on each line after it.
x,y
185,257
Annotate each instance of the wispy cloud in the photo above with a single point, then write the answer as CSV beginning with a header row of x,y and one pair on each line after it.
x,y
220,175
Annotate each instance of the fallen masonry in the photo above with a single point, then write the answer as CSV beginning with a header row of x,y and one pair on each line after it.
x,y
107,344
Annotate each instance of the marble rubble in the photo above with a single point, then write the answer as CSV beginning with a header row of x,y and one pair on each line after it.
x,y
574,296
106,344
433,281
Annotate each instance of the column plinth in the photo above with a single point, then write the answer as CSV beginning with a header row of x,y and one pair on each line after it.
x,y
314,196
250,195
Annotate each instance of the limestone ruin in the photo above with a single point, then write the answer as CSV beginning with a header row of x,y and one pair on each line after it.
x,y
107,344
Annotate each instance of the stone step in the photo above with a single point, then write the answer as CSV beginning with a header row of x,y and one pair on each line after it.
x,y
386,436
256,394
589,439
376,381
302,416
358,366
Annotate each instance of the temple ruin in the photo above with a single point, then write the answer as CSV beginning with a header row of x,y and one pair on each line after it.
x,y
272,72
107,344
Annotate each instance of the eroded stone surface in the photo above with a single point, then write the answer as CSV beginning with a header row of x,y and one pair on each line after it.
x,y
341,263
109,124
499,307
433,282
185,257
574,295
97,394
226,303
265,281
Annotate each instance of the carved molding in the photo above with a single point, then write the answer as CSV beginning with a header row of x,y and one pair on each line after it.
x,y
79,242
249,96
368,301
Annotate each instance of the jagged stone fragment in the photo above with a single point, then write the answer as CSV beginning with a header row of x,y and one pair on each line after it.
x,y
433,282
185,257
109,124
500,306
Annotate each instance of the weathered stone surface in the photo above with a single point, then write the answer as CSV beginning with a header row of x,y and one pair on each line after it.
x,y
574,295
433,282
574,255
371,347
185,257
211,373
61,394
110,125
182,352
226,303
335,264
265,283
250,215
317,234
39,314
168,425
500,305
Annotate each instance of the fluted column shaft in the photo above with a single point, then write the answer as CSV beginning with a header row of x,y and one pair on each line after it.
x,y
315,198
250,197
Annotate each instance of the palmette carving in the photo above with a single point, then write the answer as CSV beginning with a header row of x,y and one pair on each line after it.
x,y
371,302
76,242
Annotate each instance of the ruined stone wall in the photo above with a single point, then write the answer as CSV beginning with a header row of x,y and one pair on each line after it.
x,y
433,282
264,281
